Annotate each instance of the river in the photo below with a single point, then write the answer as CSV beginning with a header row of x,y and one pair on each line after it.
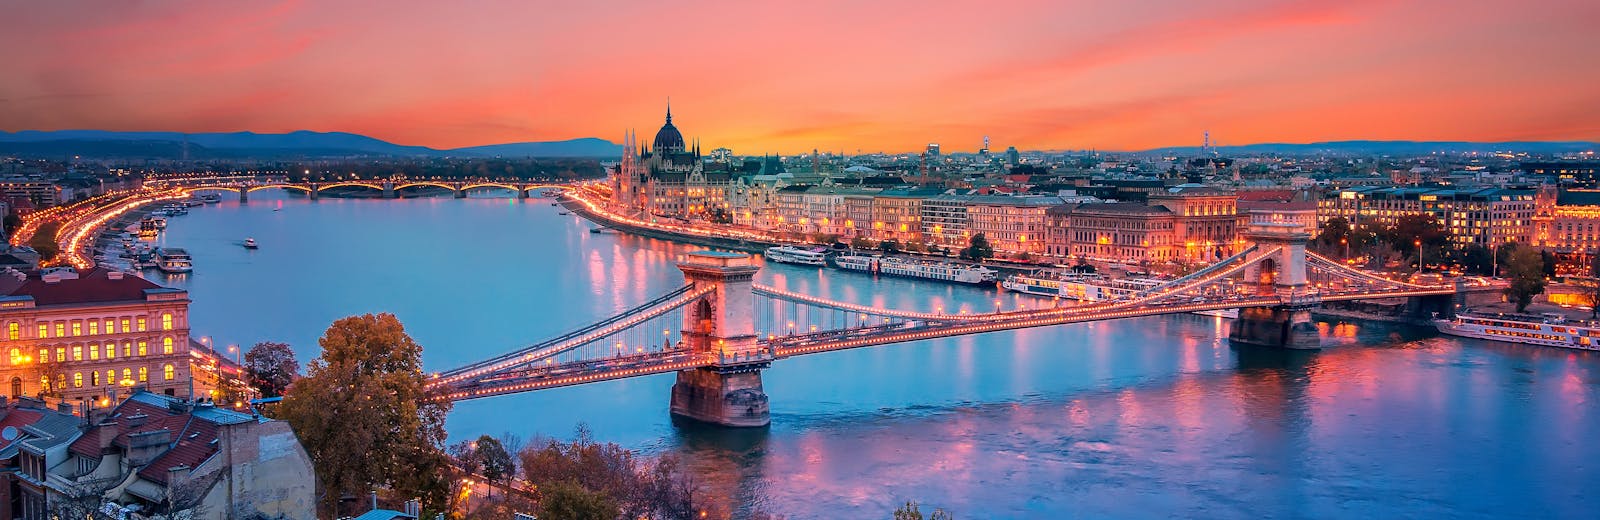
x,y
1153,417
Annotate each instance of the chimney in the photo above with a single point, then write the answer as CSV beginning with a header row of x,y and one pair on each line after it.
x,y
64,407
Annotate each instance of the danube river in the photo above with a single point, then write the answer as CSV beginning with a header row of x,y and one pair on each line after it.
x,y
1155,417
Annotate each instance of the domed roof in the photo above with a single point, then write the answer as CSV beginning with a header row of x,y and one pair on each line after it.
x,y
668,139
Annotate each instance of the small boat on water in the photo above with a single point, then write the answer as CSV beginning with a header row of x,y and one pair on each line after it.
x,y
797,255
173,260
566,213
1549,330
250,243
210,198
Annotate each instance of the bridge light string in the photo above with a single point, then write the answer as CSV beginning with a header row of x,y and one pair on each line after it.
x,y
529,353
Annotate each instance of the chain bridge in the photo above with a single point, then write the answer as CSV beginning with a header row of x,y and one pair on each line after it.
x,y
721,329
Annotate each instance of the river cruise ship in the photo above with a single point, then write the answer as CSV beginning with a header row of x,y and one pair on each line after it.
x,y
173,260
1549,330
797,255
1089,287
943,271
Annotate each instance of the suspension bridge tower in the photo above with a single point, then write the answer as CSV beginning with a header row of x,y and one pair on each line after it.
x,y
720,325
1281,273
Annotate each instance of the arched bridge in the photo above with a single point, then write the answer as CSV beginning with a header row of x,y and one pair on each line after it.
x,y
721,329
387,188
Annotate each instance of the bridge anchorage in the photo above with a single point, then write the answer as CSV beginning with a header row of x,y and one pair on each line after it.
x,y
729,328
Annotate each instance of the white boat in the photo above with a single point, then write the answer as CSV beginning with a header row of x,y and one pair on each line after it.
x,y
944,271
210,198
1549,330
250,243
173,260
1089,287
797,255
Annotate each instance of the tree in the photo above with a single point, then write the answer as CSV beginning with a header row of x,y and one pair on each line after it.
x,y
658,489
1524,268
1476,259
909,512
566,500
271,367
1335,235
366,417
862,243
890,246
496,464
978,248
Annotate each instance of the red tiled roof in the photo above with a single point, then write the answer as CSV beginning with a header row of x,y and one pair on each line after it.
x,y
191,436
17,418
91,287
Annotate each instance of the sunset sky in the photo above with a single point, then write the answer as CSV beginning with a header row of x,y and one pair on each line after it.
x,y
836,75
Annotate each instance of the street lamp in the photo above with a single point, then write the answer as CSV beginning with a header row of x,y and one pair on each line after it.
x,y
1419,256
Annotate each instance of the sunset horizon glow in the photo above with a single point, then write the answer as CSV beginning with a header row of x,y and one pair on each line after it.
x,y
834,76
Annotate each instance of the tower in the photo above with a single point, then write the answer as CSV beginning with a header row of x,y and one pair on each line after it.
x,y
719,325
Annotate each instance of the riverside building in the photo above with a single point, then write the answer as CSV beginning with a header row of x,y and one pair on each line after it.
x,y
90,339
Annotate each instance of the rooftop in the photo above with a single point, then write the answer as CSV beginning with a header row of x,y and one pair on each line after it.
x,y
95,286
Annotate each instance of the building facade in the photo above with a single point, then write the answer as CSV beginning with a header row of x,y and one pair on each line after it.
x,y
669,179
1485,216
92,339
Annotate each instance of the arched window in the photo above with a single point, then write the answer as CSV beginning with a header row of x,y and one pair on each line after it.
x,y
166,345
167,372
44,383
13,331
16,387
166,321
127,374
94,378
144,374
16,356
77,379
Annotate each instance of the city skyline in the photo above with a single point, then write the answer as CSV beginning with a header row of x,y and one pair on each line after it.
x,y
883,77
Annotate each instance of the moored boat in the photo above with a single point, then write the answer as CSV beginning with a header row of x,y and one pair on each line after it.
x,y
797,255
943,271
173,260
250,243
1548,330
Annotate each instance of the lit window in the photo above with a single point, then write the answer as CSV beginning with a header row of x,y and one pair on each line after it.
x,y
61,328
167,372
94,351
77,379
111,325
111,351
166,345
16,355
141,324
77,352
125,327
14,331
77,328
111,377
127,374
144,348
61,353
127,349
144,373
44,355
166,321
44,330
44,383
94,328
94,378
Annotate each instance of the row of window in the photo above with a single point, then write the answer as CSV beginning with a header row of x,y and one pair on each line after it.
x,y
124,324
168,373
93,351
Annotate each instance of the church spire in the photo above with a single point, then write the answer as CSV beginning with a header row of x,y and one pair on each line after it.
x,y
669,110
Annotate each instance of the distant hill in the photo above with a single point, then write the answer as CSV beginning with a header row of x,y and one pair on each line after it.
x,y
1390,147
170,145
584,147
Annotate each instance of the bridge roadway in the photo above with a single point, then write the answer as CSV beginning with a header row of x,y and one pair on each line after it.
x,y
389,188
774,348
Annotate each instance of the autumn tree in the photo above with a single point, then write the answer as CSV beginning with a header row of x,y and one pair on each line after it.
x,y
1524,268
271,367
658,488
366,417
